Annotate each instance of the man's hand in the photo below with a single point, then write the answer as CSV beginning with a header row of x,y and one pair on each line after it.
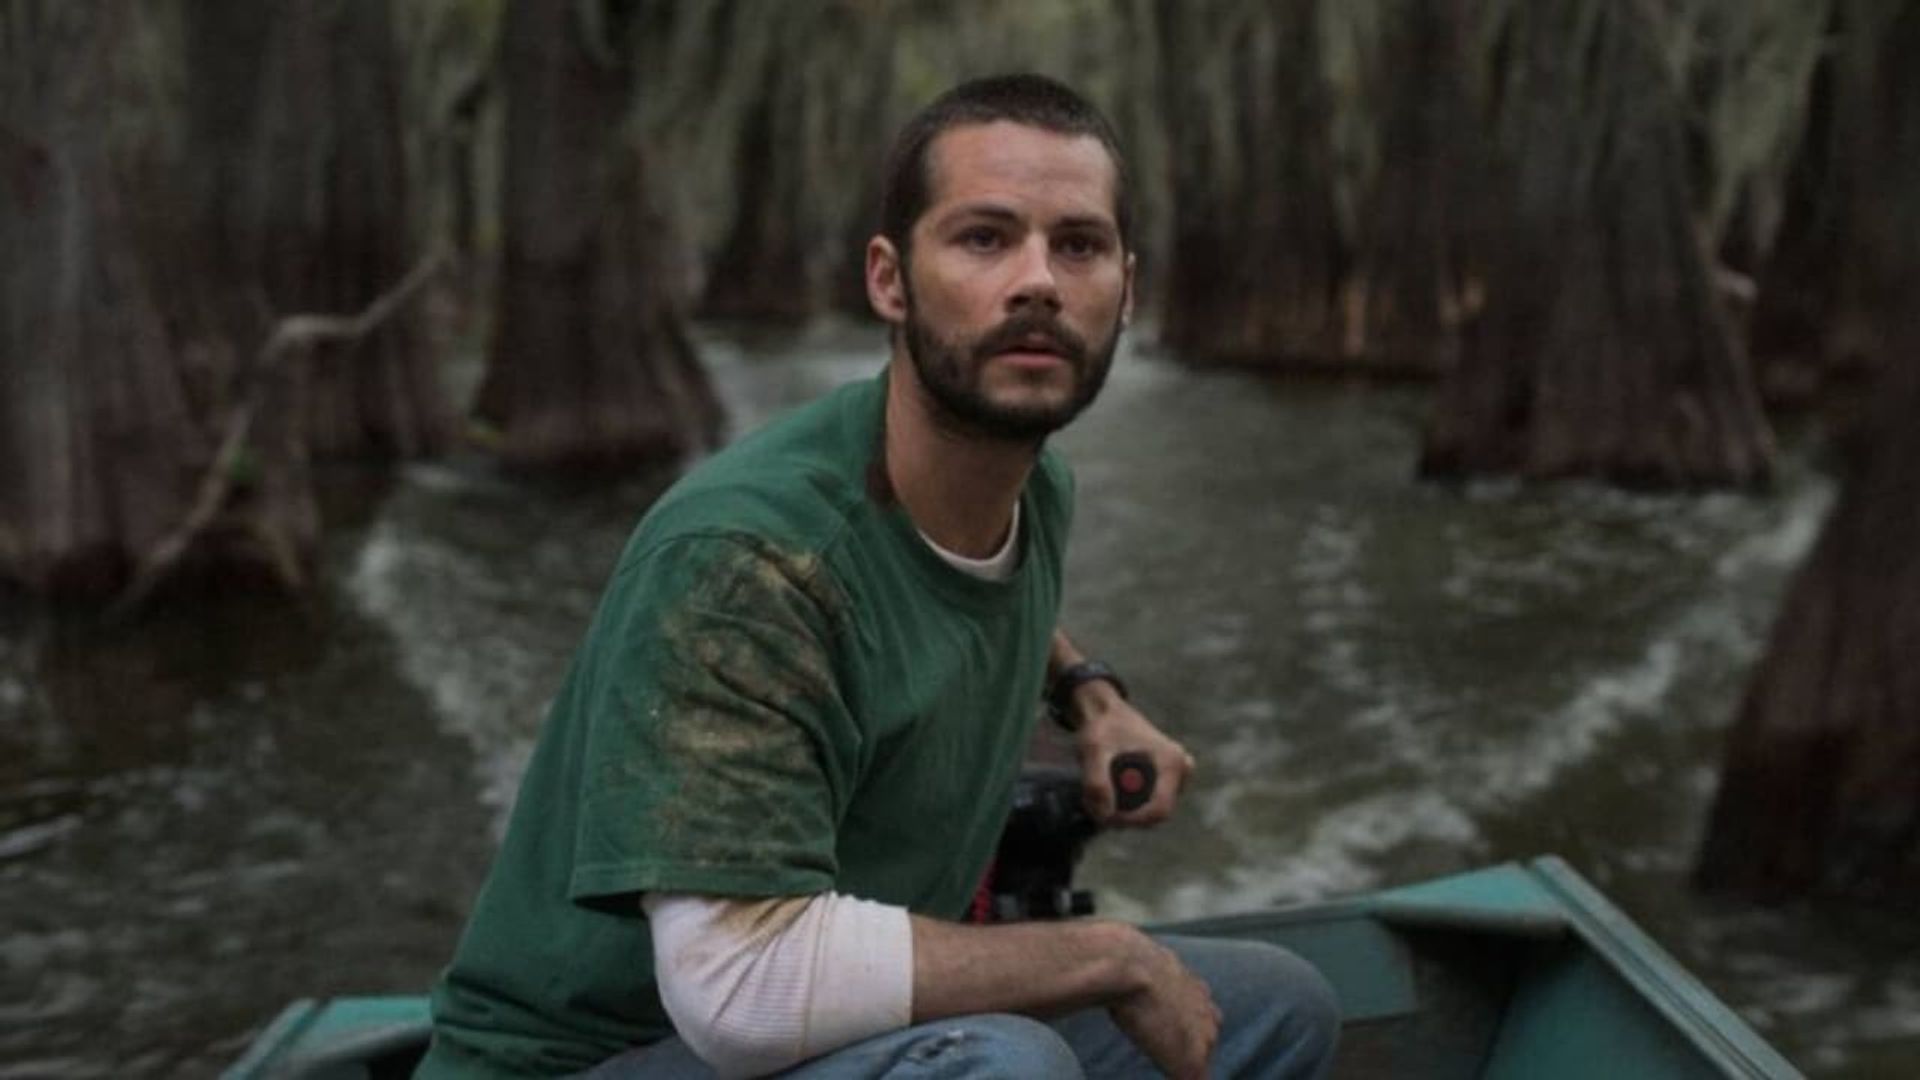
x,y
1108,726
1172,1017
1050,969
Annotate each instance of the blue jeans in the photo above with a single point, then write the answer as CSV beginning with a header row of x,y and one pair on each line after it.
x,y
1281,1021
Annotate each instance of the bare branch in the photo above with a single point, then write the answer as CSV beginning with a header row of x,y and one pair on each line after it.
x,y
294,334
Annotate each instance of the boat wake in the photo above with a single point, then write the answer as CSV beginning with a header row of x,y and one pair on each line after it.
x,y
1435,752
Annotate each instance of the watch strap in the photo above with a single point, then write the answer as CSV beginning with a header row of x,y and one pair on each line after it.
x,y
1070,679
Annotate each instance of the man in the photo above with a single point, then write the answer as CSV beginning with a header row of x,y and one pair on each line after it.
x,y
780,763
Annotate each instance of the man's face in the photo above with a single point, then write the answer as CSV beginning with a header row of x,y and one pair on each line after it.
x,y
1017,285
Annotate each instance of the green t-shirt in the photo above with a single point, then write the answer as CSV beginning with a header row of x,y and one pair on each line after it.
x,y
784,691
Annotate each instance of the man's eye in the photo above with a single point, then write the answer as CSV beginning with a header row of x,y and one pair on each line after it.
x,y
1080,246
981,239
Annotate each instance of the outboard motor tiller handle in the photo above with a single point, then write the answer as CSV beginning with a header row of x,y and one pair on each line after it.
x,y
1133,778
1048,829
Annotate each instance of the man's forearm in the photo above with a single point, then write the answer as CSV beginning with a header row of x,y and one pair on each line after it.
x,y
1061,654
1038,969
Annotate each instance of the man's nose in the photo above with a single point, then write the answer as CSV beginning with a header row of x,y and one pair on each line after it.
x,y
1034,284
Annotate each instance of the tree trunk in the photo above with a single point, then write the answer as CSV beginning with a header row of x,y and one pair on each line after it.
x,y
1787,330
1415,285
1255,255
1603,350
1819,789
761,272
807,123
590,362
1799,328
295,133
98,427
859,122
1876,119
847,264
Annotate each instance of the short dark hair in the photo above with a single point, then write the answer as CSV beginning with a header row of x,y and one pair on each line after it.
x,y
1031,100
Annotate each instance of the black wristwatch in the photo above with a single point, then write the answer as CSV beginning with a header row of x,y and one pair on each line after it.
x,y
1071,678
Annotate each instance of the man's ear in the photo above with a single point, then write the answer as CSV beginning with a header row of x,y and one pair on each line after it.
x,y
886,283
1126,299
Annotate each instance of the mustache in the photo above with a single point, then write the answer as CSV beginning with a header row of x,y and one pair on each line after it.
x,y
1013,333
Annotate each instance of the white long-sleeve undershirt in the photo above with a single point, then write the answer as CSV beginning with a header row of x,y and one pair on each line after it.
x,y
756,986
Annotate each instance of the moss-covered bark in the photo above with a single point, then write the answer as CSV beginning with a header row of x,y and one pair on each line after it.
x,y
1255,258
590,363
1603,349
1863,189
1818,791
295,134
186,179
1415,282
104,387
808,139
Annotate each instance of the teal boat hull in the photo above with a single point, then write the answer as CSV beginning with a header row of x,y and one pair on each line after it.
x,y
1517,970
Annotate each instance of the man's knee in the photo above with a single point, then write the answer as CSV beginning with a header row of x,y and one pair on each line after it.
x,y
1313,1015
992,1044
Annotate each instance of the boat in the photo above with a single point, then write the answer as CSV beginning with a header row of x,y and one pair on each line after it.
x,y
1515,970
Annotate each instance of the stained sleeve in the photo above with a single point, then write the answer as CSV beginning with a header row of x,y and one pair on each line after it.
x,y
719,748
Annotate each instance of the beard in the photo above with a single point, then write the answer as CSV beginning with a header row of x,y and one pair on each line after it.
x,y
952,371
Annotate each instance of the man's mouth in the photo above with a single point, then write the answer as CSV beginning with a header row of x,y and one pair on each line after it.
x,y
1033,361
1036,345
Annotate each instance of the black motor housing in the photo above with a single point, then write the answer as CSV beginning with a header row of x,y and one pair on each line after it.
x,y
1046,833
